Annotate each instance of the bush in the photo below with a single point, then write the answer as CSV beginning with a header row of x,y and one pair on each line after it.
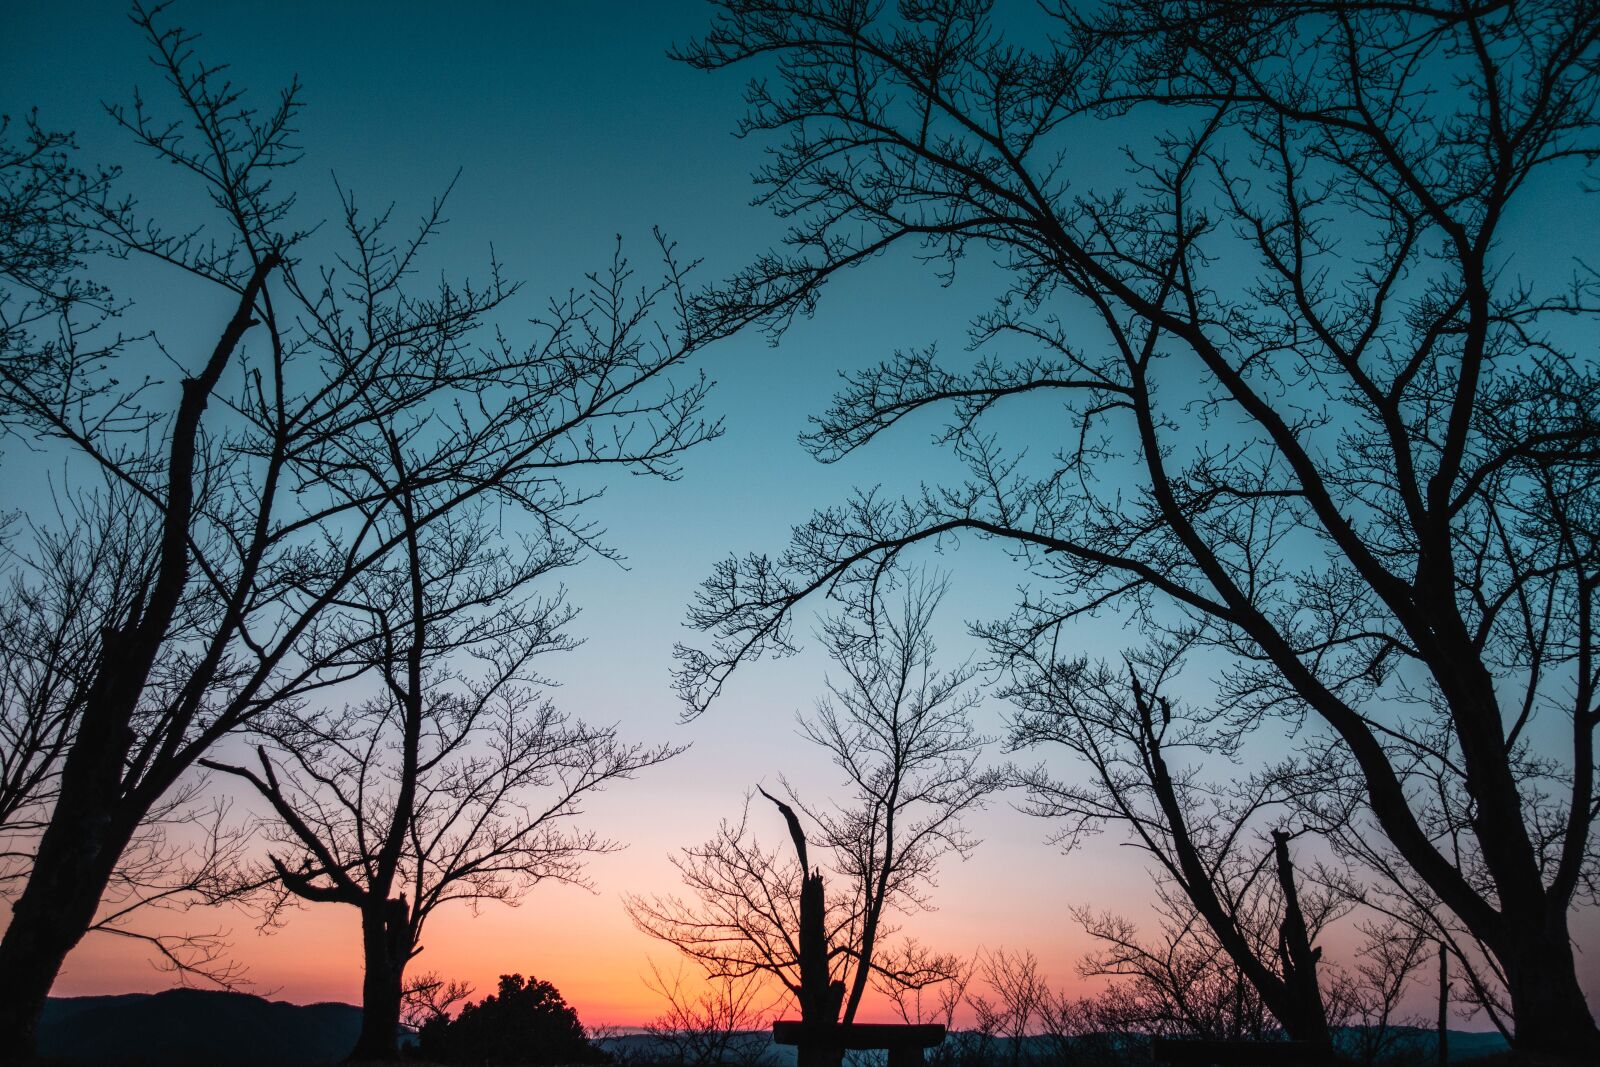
x,y
526,1023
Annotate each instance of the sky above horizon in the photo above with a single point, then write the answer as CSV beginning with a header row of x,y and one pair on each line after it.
x,y
569,126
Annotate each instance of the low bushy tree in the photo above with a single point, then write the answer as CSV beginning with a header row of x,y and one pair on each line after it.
x,y
526,1022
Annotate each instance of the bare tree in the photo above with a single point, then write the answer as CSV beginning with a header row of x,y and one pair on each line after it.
x,y
1305,411
186,851
1082,1032
1015,1008
1177,982
736,928
427,997
457,780
1367,1003
1021,1019
190,850
257,471
55,600
43,244
900,731
724,1024
937,1003
35,175
1182,981
1211,842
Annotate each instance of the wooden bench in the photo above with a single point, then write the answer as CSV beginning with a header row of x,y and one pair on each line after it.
x,y
1194,1052
903,1042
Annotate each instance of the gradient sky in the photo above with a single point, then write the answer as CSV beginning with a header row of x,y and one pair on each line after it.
x,y
570,126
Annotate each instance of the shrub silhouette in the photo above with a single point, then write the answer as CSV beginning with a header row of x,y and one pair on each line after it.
x,y
526,1023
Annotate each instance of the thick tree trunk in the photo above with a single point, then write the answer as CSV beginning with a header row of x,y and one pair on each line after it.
x,y
95,813
77,854
386,949
1303,1015
1533,942
1551,1013
820,998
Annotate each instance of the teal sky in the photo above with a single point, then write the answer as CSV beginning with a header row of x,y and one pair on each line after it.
x,y
569,126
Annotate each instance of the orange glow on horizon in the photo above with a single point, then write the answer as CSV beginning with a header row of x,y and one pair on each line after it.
x,y
582,942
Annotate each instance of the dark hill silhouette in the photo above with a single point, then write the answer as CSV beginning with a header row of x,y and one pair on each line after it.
x,y
197,1028
182,1027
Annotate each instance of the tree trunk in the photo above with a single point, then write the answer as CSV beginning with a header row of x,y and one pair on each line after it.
x,y
1552,1016
820,998
386,949
1533,942
96,813
77,854
1305,1016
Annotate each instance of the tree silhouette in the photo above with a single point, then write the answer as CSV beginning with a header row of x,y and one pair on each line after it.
x,y
187,849
900,732
269,473
46,303
427,997
526,1022
457,781
1211,842
1306,415
725,1024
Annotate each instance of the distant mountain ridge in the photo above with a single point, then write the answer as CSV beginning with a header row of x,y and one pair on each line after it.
x,y
198,1028
181,1027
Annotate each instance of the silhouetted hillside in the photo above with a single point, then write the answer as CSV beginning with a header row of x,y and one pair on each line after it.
x,y
181,1027
191,1028
1465,1045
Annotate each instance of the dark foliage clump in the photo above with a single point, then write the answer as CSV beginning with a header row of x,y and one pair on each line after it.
x,y
526,1023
